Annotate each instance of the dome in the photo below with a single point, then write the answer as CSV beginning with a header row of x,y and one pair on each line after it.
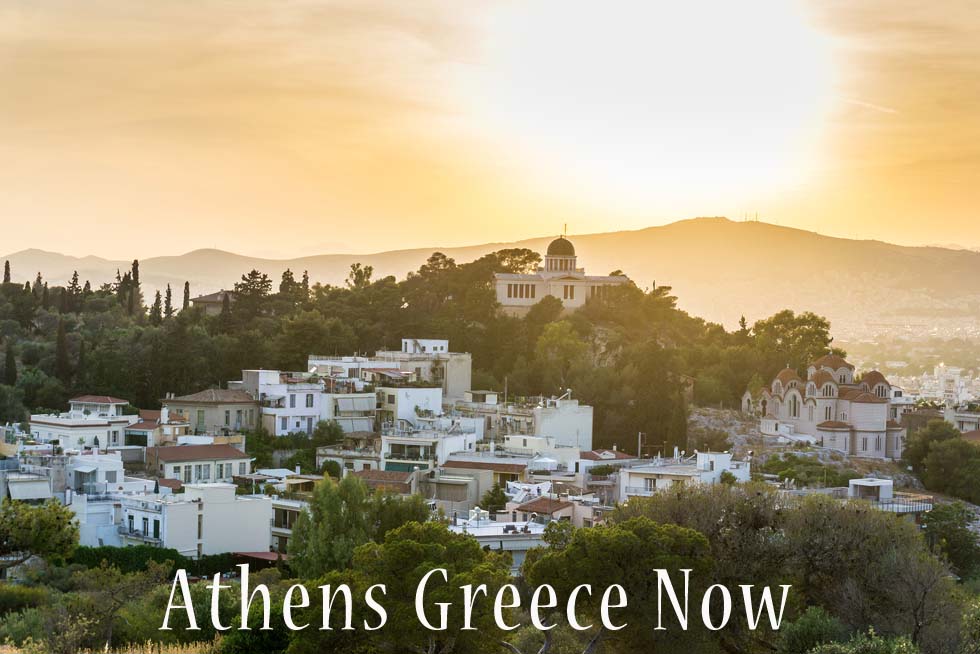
x,y
561,247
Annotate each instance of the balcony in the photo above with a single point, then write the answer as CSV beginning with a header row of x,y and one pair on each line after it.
x,y
640,491
138,534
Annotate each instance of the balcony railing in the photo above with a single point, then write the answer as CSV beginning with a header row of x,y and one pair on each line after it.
x,y
138,534
640,491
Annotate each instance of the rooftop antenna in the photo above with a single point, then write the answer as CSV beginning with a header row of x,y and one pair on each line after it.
x,y
565,232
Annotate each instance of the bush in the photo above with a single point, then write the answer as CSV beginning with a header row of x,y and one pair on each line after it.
x,y
15,598
128,559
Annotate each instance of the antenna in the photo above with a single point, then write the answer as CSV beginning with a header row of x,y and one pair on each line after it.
x,y
565,232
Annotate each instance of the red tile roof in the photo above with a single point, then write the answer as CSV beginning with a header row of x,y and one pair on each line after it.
x,y
144,425
544,505
172,484
833,424
213,395
515,468
972,435
149,414
177,453
832,361
98,399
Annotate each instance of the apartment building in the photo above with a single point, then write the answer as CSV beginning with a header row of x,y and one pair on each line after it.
x,y
198,463
92,421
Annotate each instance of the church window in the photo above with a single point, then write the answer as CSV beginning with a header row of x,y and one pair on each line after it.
x,y
826,413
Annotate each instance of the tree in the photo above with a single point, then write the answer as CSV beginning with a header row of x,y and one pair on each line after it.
x,y
47,531
250,293
341,517
9,365
359,276
400,562
187,297
6,272
494,499
814,628
168,304
558,350
947,528
62,360
623,553
11,404
868,643
788,339
156,311
919,442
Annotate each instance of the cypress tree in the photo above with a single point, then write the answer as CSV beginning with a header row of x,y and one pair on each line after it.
x,y
156,311
6,272
10,365
62,364
45,302
187,296
168,304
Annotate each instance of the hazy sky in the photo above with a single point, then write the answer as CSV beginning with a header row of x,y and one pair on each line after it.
x,y
291,127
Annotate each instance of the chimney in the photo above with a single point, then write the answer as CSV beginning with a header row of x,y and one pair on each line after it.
x,y
297,468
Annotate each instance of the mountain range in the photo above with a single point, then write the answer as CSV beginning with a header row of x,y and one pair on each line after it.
x,y
719,269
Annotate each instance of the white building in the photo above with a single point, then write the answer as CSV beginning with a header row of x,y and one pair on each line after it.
x,y
659,474
402,406
561,418
832,408
91,421
290,402
405,450
430,361
514,537
559,277
204,519
198,463
354,412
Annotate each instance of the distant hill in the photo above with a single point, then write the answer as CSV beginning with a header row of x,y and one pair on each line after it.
x,y
718,268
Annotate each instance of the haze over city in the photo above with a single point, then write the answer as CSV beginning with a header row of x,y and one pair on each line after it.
x,y
287,129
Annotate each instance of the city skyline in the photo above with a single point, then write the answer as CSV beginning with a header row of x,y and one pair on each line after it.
x,y
284,130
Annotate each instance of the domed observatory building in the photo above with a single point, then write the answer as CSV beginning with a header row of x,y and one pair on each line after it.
x,y
560,277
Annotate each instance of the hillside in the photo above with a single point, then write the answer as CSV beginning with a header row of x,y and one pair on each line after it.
x,y
718,268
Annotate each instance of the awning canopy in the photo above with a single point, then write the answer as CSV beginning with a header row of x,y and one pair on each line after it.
x,y
29,490
85,468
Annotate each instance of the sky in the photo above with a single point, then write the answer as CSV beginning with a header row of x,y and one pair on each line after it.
x,y
285,128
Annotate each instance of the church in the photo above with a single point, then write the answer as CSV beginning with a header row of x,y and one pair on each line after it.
x,y
560,277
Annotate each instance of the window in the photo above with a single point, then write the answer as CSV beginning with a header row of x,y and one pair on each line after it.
x,y
219,471
284,423
510,290
206,471
146,526
309,400
391,399
115,438
110,476
238,418
200,526
826,413
241,468
864,443
292,400
176,472
131,523
156,528
227,418
197,471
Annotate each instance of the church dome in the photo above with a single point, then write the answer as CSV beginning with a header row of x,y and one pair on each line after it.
x,y
561,247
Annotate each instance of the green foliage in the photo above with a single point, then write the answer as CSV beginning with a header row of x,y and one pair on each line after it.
x,y
919,442
813,628
869,643
494,499
947,528
17,598
808,472
47,531
341,517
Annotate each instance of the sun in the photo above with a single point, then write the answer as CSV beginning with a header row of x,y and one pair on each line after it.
x,y
653,105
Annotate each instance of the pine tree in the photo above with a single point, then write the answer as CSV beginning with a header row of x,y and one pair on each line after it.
x,y
87,289
45,301
10,365
156,311
168,304
187,297
62,364
38,282
6,272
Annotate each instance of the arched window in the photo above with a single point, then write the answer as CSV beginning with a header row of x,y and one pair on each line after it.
x,y
827,413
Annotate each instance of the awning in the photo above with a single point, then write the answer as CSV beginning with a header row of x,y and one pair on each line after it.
x,y
345,403
365,403
29,490
85,468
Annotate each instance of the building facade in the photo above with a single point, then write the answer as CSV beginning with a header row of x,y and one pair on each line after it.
x,y
831,408
559,277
